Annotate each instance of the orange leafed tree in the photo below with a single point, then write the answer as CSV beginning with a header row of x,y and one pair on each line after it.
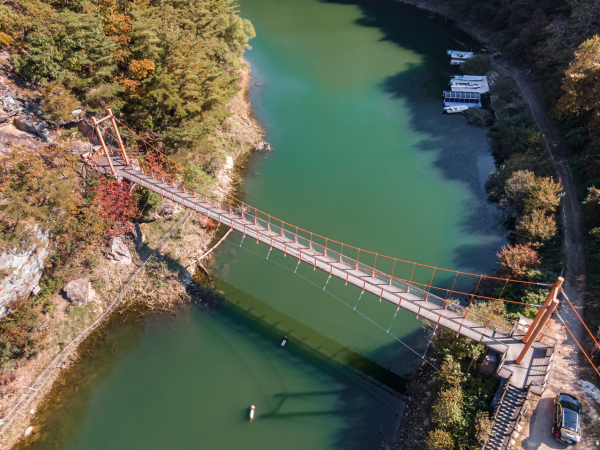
x,y
117,207
582,85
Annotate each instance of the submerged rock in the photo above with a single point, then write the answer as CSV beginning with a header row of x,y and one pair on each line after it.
x,y
80,292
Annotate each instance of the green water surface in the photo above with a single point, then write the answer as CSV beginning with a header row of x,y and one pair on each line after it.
x,y
349,94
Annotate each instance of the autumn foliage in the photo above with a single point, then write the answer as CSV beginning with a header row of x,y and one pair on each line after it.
x,y
515,260
20,336
116,203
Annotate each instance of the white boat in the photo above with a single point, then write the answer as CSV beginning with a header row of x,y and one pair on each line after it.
x,y
465,85
456,62
461,55
451,52
455,109
466,78
252,408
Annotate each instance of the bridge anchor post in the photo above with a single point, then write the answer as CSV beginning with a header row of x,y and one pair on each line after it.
x,y
551,296
118,136
547,314
104,148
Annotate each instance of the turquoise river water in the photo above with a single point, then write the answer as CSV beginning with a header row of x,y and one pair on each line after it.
x,y
349,94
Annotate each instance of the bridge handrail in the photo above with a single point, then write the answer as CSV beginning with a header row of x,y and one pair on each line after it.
x,y
174,169
152,163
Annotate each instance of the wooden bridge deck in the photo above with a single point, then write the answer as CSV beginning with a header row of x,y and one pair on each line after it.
x,y
406,296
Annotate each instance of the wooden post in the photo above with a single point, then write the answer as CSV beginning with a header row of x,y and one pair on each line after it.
x,y
118,136
104,147
547,314
551,296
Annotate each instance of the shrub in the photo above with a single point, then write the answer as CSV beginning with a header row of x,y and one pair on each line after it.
x,y
449,376
515,192
439,440
115,203
20,334
543,194
477,65
447,408
515,261
483,426
462,349
536,228
148,202
58,102
479,117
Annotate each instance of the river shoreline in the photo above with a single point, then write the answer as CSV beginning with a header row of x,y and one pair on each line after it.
x,y
197,236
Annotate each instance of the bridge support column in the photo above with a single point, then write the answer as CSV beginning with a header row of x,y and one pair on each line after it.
x,y
547,314
104,149
551,296
118,136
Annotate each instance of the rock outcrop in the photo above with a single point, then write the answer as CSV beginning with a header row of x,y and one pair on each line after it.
x,y
79,292
120,252
22,269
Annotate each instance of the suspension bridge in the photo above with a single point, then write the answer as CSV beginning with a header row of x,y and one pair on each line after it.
x,y
526,355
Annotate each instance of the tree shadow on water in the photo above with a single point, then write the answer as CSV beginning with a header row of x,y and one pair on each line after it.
x,y
461,151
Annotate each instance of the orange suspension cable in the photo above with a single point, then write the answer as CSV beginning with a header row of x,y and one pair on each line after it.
x,y
171,163
586,355
573,308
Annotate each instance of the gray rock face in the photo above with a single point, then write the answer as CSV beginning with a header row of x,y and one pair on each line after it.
x,y
10,106
31,125
120,252
80,292
21,270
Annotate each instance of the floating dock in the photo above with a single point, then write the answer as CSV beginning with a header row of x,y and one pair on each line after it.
x,y
470,99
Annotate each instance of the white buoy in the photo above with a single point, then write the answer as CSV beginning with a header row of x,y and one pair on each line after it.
x,y
252,408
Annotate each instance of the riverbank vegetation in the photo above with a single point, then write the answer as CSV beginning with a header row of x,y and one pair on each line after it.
x,y
170,71
557,43
167,69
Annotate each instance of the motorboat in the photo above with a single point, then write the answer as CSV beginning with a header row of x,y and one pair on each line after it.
x,y
461,55
465,85
252,408
466,78
452,52
455,109
456,62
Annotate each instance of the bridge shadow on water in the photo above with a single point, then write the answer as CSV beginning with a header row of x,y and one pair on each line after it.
x,y
368,397
461,151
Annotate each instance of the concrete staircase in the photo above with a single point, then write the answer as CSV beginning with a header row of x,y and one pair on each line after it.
x,y
506,417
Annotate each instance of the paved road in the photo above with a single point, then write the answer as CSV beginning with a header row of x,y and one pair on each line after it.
x,y
566,368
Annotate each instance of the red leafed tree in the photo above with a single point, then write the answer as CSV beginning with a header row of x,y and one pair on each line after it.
x,y
515,260
116,205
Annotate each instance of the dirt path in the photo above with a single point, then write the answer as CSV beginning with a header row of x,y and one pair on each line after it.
x,y
566,366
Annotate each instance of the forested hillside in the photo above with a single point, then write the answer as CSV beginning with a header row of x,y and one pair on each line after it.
x,y
167,66
167,69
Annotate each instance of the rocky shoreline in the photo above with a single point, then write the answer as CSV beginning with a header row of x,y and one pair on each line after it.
x,y
87,299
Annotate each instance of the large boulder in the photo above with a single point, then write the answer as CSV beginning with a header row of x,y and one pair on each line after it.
x,y
79,292
21,269
120,252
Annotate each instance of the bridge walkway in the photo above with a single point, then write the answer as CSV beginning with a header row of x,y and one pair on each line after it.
x,y
398,292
